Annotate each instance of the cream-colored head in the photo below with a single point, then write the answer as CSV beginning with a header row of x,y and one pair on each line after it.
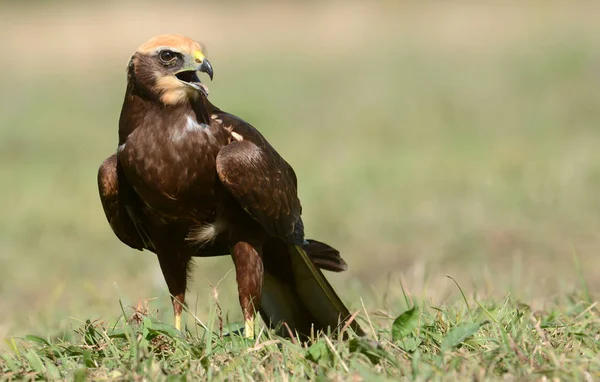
x,y
166,67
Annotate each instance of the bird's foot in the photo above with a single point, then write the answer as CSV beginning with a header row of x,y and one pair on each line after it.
x,y
178,321
249,328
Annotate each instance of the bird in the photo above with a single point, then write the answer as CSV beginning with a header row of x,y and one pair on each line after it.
x,y
189,180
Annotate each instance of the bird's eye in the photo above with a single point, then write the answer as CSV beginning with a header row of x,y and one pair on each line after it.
x,y
166,56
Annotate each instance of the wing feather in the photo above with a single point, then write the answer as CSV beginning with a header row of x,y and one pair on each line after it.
x,y
263,183
114,207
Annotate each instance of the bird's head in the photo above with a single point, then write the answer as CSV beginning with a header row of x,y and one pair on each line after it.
x,y
166,68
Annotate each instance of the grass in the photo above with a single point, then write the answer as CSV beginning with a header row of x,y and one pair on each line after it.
x,y
429,140
474,340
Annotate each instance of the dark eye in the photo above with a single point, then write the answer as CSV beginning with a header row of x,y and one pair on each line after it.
x,y
166,56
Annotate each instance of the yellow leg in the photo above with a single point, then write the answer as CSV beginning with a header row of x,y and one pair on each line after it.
x,y
178,321
249,328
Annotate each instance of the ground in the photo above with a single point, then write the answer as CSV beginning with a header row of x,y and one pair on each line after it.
x,y
430,140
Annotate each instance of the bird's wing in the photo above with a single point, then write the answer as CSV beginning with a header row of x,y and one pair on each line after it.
x,y
262,182
114,207
294,290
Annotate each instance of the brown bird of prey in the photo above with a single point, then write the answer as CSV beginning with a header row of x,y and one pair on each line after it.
x,y
190,180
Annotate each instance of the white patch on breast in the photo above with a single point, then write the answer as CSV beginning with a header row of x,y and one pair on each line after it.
x,y
192,125
121,148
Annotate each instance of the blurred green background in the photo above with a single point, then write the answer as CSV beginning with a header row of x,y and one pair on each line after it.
x,y
429,139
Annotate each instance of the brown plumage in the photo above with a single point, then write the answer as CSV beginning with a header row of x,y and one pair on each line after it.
x,y
189,180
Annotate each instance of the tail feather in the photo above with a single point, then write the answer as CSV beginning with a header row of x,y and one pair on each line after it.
x,y
296,292
325,257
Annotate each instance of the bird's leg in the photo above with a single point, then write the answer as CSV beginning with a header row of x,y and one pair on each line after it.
x,y
249,276
175,271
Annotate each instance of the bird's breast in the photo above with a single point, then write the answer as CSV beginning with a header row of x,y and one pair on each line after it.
x,y
173,168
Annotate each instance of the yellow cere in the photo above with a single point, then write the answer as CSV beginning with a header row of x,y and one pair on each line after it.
x,y
198,56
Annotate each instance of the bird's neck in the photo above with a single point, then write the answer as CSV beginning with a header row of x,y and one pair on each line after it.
x,y
203,109
140,111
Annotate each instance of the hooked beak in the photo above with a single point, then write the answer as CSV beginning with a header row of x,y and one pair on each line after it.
x,y
206,67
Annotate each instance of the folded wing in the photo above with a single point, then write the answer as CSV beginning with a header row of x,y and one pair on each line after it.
x,y
294,290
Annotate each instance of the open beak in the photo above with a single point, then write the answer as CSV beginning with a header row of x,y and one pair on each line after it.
x,y
190,76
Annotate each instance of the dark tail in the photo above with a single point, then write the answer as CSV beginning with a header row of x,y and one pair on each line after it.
x,y
325,256
296,293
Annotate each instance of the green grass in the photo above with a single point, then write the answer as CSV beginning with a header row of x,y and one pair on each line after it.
x,y
453,145
474,339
